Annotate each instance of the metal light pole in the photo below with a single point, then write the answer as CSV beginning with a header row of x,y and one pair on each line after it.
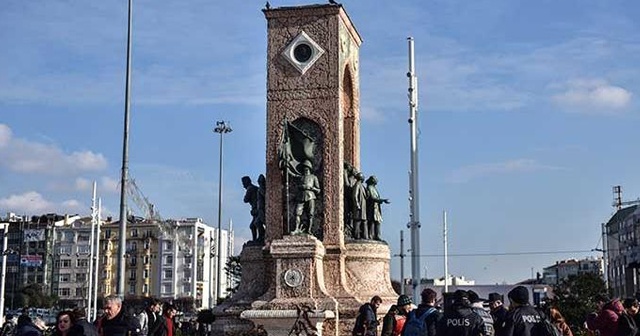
x,y
414,223
125,165
221,127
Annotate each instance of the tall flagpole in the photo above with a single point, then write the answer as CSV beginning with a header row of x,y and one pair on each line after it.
x,y
414,222
125,166
94,219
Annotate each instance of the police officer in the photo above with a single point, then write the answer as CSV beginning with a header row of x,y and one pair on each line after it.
x,y
522,317
460,319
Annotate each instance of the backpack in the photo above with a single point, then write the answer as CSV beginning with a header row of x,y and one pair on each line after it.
x,y
545,328
416,325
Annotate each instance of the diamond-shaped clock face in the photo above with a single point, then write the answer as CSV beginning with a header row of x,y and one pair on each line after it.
x,y
302,52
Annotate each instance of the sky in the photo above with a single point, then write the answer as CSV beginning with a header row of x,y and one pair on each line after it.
x,y
528,115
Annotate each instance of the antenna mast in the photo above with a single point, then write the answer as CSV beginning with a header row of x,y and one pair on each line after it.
x,y
414,220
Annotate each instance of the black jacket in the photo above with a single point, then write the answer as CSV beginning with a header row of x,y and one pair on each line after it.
x,y
626,325
460,321
121,325
520,320
499,317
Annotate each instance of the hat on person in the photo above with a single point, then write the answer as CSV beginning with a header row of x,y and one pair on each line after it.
x,y
474,297
404,300
519,294
493,297
460,296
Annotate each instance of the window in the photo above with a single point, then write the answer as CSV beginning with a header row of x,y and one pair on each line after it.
x,y
65,263
145,260
166,289
168,245
147,245
134,232
80,292
64,292
107,233
134,260
132,289
82,263
132,274
62,250
145,274
167,274
168,260
84,249
133,246
145,289
64,278
69,236
186,288
81,277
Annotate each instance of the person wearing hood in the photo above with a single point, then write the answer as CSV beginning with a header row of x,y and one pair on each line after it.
x,y
522,316
605,320
461,320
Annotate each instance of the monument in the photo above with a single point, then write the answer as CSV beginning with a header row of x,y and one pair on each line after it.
x,y
309,259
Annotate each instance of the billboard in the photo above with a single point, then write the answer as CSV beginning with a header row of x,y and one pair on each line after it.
x,y
34,260
31,235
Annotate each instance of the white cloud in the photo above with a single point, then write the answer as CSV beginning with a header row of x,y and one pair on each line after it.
x,y
32,202
26,156
5,135
109,185
465,174
29,202
82,184
592,96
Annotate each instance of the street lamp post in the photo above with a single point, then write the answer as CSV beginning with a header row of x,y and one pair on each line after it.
x,y
222,128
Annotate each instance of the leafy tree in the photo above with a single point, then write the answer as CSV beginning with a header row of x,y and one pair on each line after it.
x,y
575,297
34,296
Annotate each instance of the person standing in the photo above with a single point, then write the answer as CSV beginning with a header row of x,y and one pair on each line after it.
x,y
460,320
605,320
64,324
115,322
427,311
476,306
498,311
26,327
149,317
558,320
167,325
82,327
626,322
389,321
367,320
522,317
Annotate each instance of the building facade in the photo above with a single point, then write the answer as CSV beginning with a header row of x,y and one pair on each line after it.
x,y
554,274
54,252
622,251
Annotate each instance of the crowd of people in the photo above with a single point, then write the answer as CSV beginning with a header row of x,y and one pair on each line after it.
x,y
464,313
157,319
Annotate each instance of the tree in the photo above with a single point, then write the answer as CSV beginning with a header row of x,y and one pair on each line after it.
x,y
33,295
575,297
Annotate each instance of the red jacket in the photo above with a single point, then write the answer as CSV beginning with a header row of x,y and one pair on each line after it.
x,y
606,321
